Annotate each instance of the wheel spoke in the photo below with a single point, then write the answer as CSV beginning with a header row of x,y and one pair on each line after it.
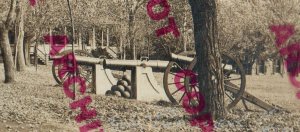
x,y
177,90
175,83
176,75
232,79
229,71
195,89
182,97
229,96
64,70
84,74
231,86
194,84
65,77
87,80
85,77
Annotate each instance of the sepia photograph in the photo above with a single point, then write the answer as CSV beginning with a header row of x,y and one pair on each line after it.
x,y
149,66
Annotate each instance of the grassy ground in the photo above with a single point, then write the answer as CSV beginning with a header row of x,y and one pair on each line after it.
x,y
274,89
36,103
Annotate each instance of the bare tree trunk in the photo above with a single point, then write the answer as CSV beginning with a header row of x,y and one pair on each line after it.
x,y
124,52
20,40
65,31
132,7
121,45
27,41
5,45
102,38
80,45
184,32
210,76
107,37
15,50
94,39
131,35
7,56
20,55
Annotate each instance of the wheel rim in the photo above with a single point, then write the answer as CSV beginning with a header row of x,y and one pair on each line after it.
x,y
175,90
84,71
235,81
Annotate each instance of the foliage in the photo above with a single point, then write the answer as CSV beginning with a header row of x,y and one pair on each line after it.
x,y
243,25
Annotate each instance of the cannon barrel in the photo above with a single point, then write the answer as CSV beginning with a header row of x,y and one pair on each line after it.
x,y
133,63
181,58
88,60
82,59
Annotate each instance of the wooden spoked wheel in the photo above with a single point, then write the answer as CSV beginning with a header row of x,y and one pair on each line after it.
x,y
234,79
173,82
84,70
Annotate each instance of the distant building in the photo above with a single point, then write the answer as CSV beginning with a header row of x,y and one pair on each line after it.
x,y
268,67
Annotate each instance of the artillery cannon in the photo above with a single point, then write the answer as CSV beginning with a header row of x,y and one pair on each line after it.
x,y
98,75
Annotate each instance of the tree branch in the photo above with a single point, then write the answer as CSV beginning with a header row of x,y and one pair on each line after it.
x,y
11,12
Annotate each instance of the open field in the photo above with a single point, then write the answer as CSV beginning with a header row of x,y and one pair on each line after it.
x,y
274,89
35,103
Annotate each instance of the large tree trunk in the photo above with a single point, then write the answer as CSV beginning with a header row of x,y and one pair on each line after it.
x,y
5,45
210,76
20,38
7,56
20,55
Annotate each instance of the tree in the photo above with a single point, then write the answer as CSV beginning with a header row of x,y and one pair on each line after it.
x,y
210,76
131,7
19,54
5,45
28,39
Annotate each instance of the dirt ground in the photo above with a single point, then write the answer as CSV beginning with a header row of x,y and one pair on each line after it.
x,y
36,103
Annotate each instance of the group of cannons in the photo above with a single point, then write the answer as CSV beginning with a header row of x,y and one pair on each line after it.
x,y
142,84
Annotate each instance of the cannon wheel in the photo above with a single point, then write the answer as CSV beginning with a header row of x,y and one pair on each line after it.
x,y
174,94
234,78
84,71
